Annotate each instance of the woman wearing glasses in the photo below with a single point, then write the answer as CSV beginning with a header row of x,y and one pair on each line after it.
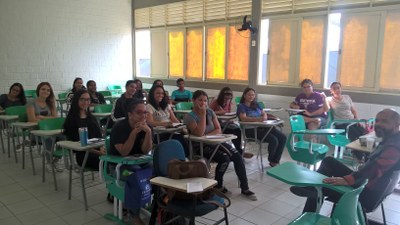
x,y
132,136
80,116
314,105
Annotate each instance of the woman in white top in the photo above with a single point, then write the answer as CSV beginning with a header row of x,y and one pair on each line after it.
x,y
342,107
160,114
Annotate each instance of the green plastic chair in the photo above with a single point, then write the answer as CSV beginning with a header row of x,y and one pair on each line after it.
x,y
19,111
51,124
261,105
341,140
184,106
237,100
115,89
106,93
111,177
30,93
299,149
346,212
103,108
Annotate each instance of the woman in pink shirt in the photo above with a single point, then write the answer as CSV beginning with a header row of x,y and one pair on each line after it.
x,y
223,104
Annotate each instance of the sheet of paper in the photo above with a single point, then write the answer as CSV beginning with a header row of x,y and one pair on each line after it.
x,y
194,187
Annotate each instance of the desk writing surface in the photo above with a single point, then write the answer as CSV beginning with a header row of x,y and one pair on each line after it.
x,y
356,145
181,184
293,174
290,110
8,117
76,145
47,133
101,114
25,124
212,140
320,131
266,123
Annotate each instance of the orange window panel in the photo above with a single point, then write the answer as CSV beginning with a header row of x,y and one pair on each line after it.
x,y
355,37
175,39
238,54
216,47
390,67
194,53
311,52
280,51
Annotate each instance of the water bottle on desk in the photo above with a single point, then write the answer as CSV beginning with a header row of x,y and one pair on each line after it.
x,y
83,136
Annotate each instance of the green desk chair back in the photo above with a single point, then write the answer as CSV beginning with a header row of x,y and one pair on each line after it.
x,y
106,93
261,105
184,106
341,140
237,100
30,93
103,108
19,111
299,149
62,95
54,124
115,89
346,212
51,123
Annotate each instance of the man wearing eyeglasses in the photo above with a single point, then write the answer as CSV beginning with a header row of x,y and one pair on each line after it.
x,y
314,105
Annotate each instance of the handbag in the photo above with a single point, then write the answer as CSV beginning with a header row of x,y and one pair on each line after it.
x,y
188,169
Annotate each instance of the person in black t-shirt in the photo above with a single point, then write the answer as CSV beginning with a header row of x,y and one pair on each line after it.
x,y
80,116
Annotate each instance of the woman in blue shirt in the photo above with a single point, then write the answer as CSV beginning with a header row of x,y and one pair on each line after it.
x,y
249,111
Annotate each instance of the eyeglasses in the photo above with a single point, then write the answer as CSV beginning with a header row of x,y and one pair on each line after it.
x,y
84,99
308,86
142,113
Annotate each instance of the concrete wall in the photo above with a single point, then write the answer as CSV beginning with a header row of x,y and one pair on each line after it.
x,y
58,40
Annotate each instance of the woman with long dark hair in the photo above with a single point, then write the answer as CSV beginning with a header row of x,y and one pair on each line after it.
x,y
203,121
160,114
15,96
249,111
221,105
76,86
119,108
79,116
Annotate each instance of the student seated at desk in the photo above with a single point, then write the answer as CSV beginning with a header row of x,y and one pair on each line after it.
x,y
132,136
15,97
160,114
249,111
223,104
95,97
313,103
342,107
76,85
118,110
203,121
42,107
181,95
161,83
80,116
140,93
380,166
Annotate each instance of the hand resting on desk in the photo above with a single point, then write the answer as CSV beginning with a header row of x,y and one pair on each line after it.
x,y
336,181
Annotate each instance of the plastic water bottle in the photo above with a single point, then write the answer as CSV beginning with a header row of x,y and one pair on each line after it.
x,y
83,136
